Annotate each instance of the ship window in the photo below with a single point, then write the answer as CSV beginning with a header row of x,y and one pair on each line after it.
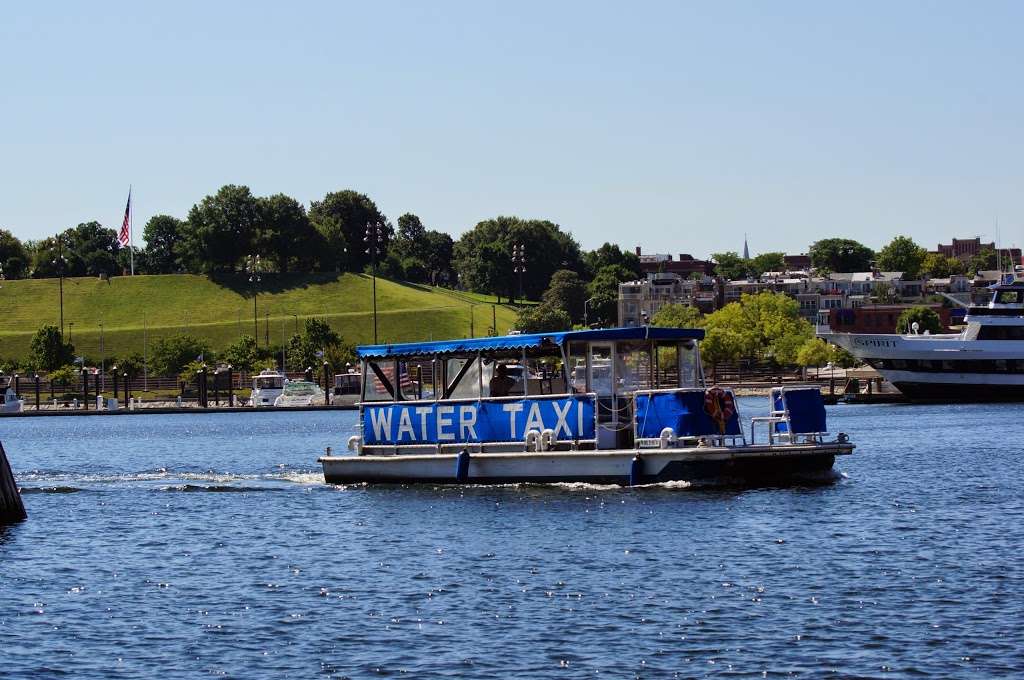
x,y
899,363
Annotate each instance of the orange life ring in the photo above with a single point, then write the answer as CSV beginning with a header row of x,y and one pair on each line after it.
x,y
721,406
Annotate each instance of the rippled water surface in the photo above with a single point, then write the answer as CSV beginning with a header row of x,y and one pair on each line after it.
x,y
209,545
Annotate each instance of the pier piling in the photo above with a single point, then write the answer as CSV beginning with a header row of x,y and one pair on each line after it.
x,y
11,508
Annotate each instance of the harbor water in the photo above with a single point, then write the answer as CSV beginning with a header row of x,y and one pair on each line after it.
x,y
208,545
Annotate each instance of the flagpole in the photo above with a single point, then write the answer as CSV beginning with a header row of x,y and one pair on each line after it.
x,y
131,229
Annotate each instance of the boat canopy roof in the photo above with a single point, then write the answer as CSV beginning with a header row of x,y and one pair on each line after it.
x,y
527,341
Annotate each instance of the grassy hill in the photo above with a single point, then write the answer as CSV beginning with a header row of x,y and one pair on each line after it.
x,y
139,309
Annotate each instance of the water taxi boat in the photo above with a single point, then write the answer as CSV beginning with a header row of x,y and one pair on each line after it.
x,y
612,406
983,362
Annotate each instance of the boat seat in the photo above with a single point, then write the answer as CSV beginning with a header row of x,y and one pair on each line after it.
x,y
683,410
796,413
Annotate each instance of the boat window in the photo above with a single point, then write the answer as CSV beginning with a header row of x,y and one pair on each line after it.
x,y
667,365
633,367
578,366
601,369
379,385
689,370
504,378
271,383
464,378
1001,333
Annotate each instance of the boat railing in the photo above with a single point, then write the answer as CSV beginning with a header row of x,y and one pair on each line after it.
x,y
797,413
667,418
515,423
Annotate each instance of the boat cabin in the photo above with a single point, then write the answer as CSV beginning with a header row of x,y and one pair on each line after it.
x,y
575,390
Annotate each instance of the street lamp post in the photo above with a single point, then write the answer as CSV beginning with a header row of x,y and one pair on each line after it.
x,y
585,303
253,267
373,240
519,264
60,263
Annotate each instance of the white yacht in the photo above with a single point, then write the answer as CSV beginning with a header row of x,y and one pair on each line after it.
x,y
300,393
267,387
983,362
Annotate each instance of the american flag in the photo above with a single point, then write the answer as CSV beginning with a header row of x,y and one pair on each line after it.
x,y
406,382
125,237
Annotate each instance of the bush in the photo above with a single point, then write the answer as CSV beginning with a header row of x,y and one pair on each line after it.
x,y
49,351
172,354
926,319
543,318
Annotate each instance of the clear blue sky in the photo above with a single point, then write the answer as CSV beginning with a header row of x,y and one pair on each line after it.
x,y
676,126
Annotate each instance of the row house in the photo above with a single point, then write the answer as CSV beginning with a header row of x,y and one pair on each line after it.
x,y
640,300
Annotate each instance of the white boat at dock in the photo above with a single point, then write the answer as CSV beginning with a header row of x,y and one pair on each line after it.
x,y
983,362
267,387
614,406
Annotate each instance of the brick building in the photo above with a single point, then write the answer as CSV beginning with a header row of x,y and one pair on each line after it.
x,y
966,248
665,264
877,318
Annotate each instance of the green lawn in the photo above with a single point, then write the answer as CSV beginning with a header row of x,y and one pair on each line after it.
x,y
135,310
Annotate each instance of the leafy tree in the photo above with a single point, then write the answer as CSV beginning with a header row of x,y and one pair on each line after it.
x,y
768,262
318,332
841,255
131,364
814,352
221,230
341,218
608,254
96,247
942,266
985,260
285,234
304,351
14,258
411,232
884,293
677,316
925,317
902,255
543,318
603,309
566,292
763,326
242,354
48,350
731,266
163,235
172,354
842,358
437,256
482,256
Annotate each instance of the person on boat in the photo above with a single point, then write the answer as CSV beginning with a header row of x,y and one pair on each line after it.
x,y
502,383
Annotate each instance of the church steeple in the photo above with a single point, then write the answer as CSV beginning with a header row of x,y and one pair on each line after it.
x,y
746,251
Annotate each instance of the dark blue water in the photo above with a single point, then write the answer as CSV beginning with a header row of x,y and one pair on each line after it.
x,y
208,545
